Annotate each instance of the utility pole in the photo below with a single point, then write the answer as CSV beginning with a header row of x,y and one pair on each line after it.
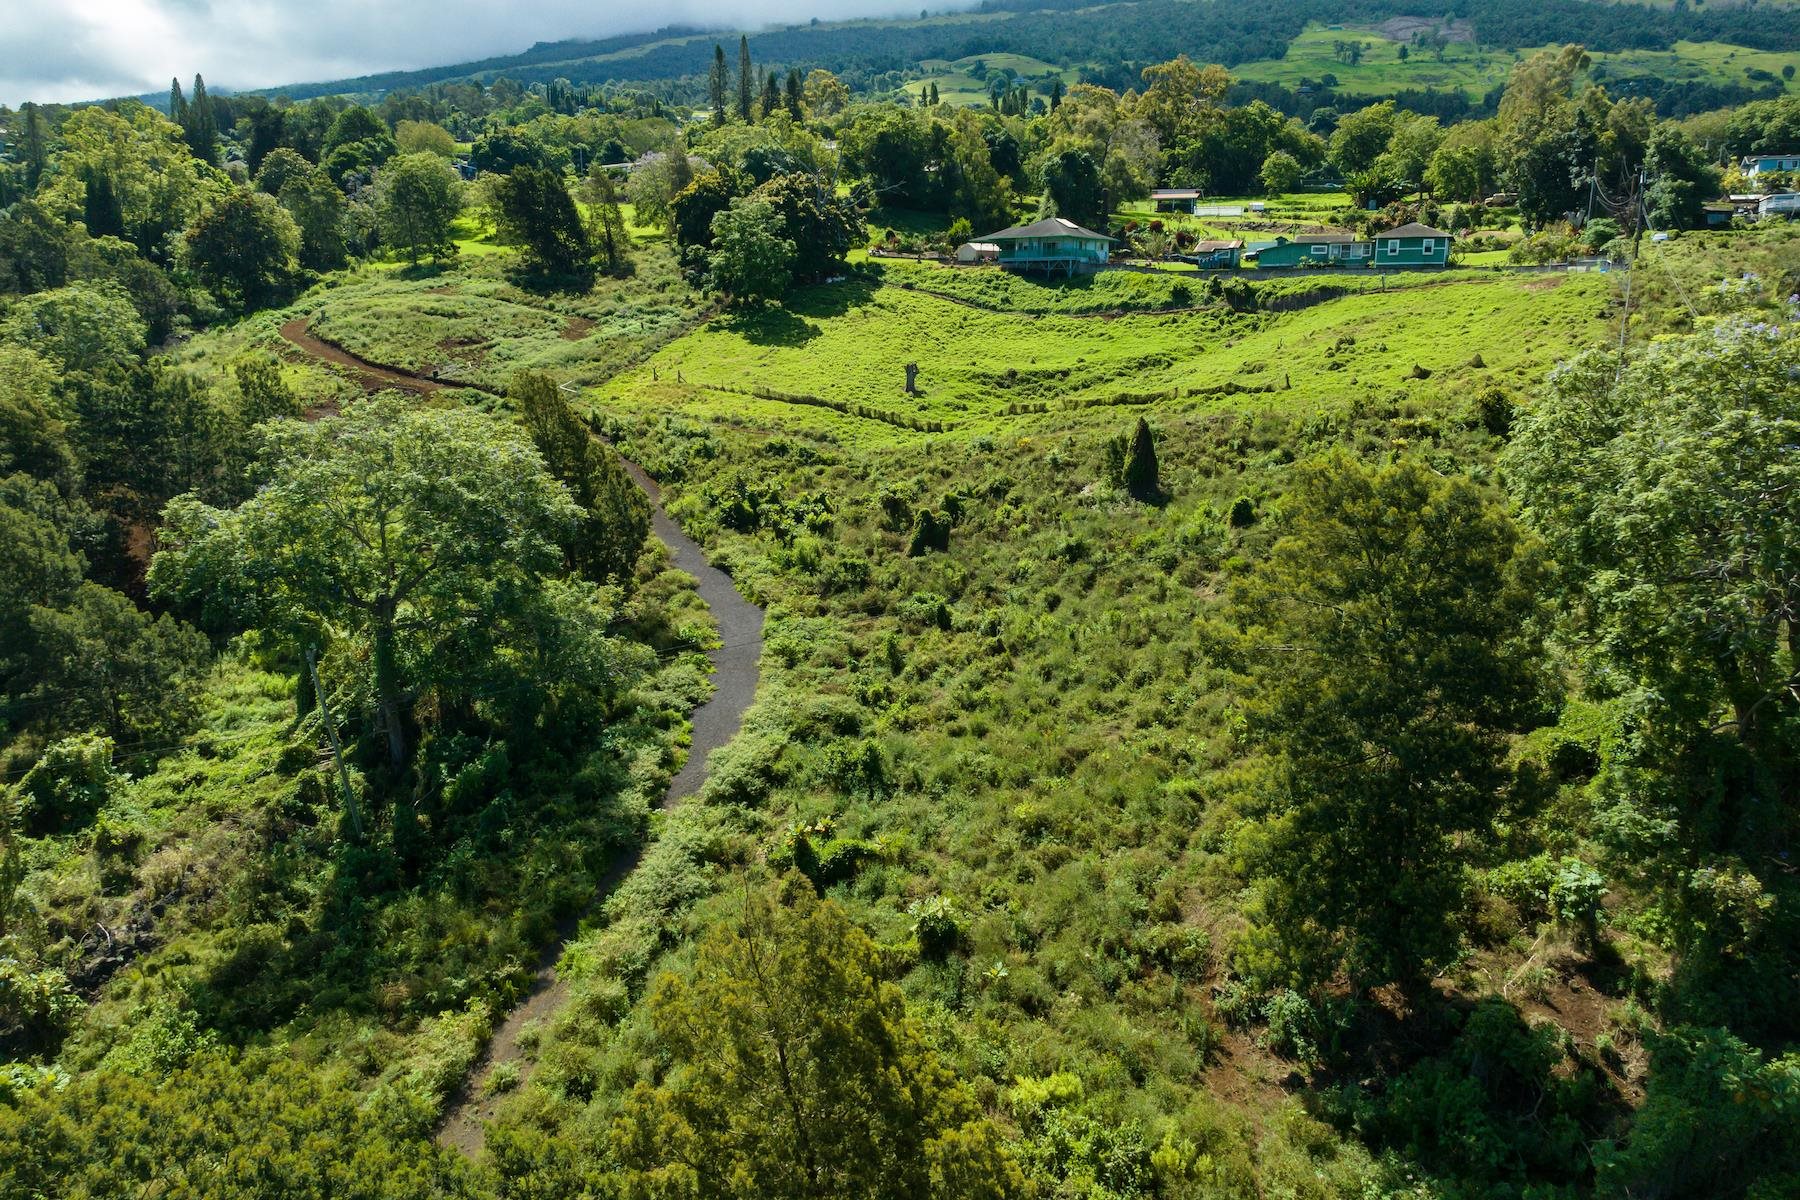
x,y
337,751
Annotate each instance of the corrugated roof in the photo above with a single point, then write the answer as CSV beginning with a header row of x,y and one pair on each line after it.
x,y
1210,246
1326,239
1413,229
1048,227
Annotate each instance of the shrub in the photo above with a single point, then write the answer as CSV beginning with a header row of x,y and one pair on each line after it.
x,y
937,925
68,784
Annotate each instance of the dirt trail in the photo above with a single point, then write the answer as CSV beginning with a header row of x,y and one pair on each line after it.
x,y
369,374
736,668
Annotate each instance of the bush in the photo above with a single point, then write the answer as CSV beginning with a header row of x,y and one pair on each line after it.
x,y
68,784
937,925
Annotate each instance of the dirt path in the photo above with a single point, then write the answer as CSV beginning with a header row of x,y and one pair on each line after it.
x,y
370,375
736,668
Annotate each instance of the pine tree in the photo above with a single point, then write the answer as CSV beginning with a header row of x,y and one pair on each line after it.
x,y
36,151
178,105
101,211
934,94
1140,469
1056,94
744,78
717,82
202,126
771,96
796,94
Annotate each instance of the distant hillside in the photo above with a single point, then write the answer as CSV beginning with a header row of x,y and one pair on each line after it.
x,y
1114,37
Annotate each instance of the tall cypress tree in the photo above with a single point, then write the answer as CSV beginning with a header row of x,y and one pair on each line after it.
x,y
1141,476
36,148
771,95
177,104
744,78
717,81
202,125
796,95
101,211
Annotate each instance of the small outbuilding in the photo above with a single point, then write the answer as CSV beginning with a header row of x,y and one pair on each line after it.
x,y
1175,199
1211,254
977,252
1411,245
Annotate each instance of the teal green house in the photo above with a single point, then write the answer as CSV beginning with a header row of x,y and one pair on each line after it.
x,y
1316,250
1413,245
1052,245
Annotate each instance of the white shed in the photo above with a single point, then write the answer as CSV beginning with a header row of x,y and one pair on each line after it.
x,y
970,252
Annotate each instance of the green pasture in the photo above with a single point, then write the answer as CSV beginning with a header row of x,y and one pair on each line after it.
x,y
833,360
1474,70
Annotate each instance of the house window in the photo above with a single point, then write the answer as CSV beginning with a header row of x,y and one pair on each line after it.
x,y
1394,248
1318,249
1430,245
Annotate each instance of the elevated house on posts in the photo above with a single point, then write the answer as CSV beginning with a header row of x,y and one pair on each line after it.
x,y
1054,245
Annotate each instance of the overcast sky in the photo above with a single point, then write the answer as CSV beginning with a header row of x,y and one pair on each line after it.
x,y
54,50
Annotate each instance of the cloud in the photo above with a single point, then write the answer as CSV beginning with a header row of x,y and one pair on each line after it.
x,y
60,50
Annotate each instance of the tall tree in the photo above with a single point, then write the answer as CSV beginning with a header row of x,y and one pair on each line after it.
x,y
716,84
202,125
746,82
1395,651
750,260
771,95
606,230
536,211
101,211
1669,492
616,514
319,211
245,248
426,538
799,1075
416,200
1142,479
795,97
178,105
36,145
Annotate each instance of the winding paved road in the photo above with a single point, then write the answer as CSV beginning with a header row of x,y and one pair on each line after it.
x,y
736,667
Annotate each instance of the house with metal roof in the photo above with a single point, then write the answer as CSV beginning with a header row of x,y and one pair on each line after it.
x,y
1217,253
1052,245
1769,164
1411,245
1317,250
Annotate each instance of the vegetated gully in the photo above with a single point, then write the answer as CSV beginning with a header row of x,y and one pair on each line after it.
x,y
736,668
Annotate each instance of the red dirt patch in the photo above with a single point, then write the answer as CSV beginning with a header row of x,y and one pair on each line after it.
x,y
576,329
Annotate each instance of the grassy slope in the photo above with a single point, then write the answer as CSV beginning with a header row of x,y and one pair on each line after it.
x,y
848,343
1474,70
1053,702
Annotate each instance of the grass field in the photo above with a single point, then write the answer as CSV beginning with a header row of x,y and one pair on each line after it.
x,y
1474,70
833,360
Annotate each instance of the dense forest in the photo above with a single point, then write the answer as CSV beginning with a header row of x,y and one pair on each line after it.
x,y
554,644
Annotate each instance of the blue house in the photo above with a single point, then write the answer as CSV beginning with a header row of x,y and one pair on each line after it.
x,y
1412,245
1768,164
1054,244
